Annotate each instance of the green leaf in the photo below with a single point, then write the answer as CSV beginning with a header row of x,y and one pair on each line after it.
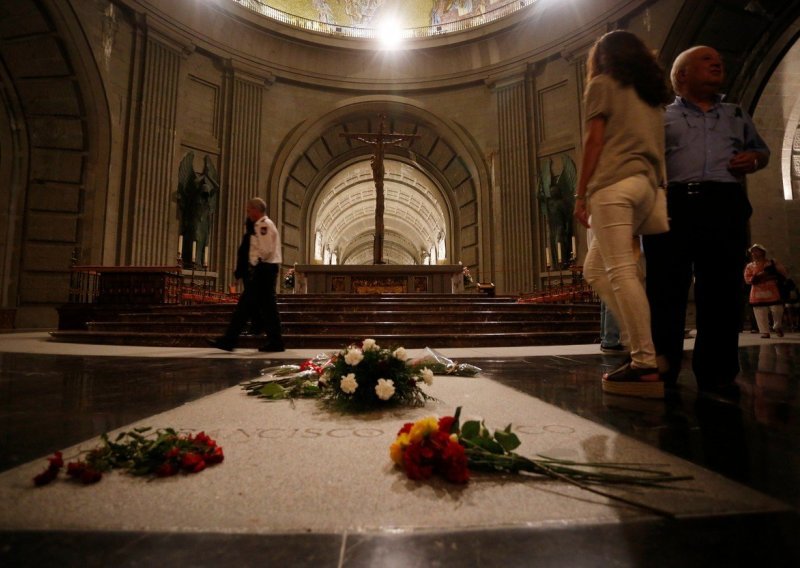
x,y
272,391
507,439
488,444
471,429
310,389
454,429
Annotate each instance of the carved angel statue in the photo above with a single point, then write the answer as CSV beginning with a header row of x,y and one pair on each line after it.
x,y
197,197
557,198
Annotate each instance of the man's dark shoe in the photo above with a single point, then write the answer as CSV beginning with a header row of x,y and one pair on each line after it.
x,y
272,348
619,349
721,394
220,344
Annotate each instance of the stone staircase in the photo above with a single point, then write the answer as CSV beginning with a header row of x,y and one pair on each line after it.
x,y
329,321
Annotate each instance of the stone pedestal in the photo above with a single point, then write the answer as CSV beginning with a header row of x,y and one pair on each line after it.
x,y
378,279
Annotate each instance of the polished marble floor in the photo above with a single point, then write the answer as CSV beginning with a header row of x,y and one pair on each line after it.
x,y
50,401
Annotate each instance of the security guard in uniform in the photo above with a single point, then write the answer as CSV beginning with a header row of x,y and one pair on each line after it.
x,y
258,263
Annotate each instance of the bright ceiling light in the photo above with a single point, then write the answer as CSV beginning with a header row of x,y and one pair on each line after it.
x,y
390,34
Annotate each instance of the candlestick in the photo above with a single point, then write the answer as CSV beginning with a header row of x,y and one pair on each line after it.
x,y
547,256
558,252
205,257
574,247
180,245
194,251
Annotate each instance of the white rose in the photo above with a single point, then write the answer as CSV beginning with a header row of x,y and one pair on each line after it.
x,y
349,384
384,389
427,376
400,353
324,378
370,345
353,356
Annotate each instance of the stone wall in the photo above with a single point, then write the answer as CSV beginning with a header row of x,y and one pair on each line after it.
x,y
142,83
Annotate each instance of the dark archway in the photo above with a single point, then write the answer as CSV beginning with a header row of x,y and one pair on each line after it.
x,y
54,95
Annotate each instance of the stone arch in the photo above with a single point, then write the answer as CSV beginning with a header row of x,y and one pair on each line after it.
x,y
61,107
417,210
317,152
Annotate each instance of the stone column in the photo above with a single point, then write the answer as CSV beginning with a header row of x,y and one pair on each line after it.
x,y
513,192
240,178
155,170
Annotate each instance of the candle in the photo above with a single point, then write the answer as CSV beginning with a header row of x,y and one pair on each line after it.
x,y
194,251
180,245
574,247
558,251
547,256
205,257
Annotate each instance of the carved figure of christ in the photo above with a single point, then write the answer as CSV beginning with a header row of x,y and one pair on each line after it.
x,y
378,140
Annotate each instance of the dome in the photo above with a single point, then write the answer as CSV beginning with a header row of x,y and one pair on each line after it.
x,y
406,19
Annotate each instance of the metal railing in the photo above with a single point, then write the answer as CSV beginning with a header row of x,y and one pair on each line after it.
x,y
300,22
131,285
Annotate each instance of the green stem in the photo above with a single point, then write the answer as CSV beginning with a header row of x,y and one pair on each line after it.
x,y
480,458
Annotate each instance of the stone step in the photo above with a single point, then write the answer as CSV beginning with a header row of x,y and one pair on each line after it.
x,y
355,328
326,320
295,315
377,306
336,341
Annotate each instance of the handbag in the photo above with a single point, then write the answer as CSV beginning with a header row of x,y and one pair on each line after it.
x,y
657,220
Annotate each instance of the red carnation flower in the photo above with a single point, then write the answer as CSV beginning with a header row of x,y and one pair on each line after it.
x,y
56,460
45,477
90,476
48,475
75,469
192,462
416,460
446,424
214,457
202,439
406,428
454,464
166,469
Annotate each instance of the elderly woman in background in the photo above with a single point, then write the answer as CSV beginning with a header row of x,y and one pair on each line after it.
x,y
763,275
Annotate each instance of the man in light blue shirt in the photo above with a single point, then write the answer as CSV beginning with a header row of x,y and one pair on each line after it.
x,y
710,147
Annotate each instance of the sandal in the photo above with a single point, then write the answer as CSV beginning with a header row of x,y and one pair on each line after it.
x,y
779,332
632,381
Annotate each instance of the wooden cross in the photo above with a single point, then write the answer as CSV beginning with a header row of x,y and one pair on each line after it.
x,y
378,140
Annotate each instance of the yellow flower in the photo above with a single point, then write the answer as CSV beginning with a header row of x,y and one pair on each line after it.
x,y
423,428
396,449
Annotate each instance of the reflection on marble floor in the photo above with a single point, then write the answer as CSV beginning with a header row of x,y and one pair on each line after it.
x,y
48,402
755,442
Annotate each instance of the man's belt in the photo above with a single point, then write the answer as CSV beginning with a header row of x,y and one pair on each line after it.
x,y
698,187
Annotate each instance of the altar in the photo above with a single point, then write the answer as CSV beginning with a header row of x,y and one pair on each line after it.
x,y
378,279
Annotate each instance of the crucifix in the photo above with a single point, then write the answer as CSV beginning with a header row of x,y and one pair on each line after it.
x,y
378,140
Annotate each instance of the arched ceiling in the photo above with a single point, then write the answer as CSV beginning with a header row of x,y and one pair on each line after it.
x,y
428,186
415,213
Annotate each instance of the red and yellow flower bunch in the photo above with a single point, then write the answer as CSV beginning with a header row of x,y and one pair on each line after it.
x,y
446,447
162,454
427,446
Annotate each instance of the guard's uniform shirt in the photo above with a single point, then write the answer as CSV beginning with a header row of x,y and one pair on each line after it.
x,y
265,244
